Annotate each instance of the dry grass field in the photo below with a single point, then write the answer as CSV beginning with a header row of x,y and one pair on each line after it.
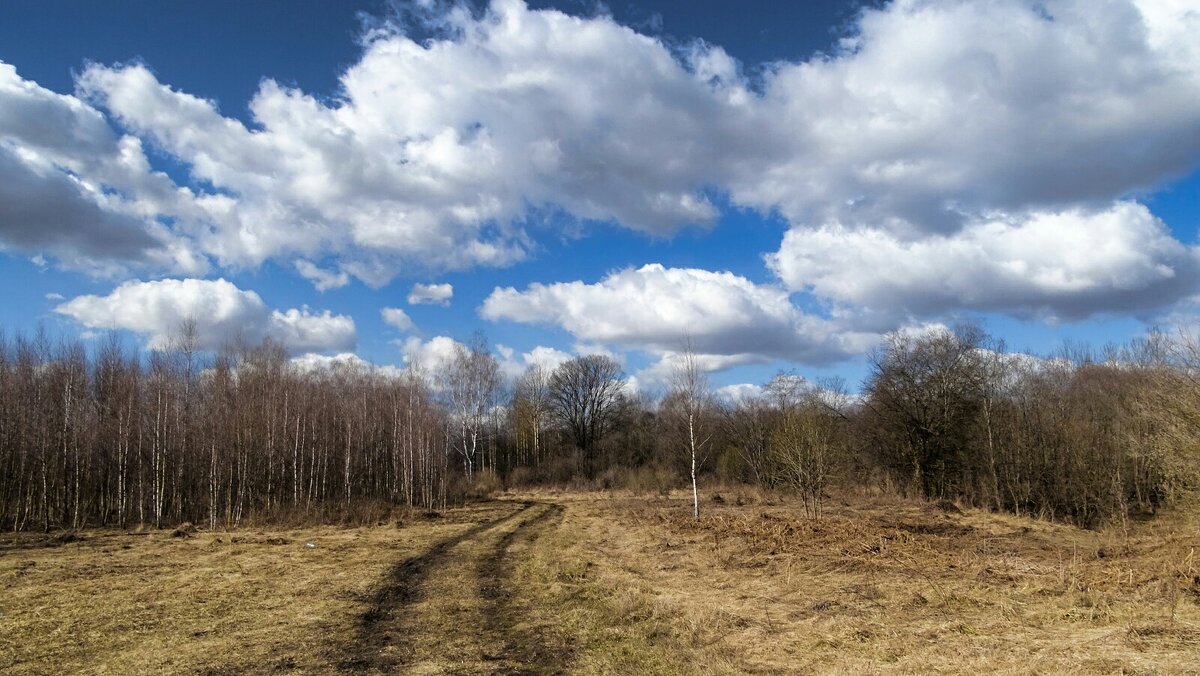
x,y
568,582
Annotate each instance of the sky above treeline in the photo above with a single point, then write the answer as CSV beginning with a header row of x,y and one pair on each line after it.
x,y
781,183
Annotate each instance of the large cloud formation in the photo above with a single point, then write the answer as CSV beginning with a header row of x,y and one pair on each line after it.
x,y
931,113
947,155
222,312
937,111
434,152
1062,265
72,188
658,309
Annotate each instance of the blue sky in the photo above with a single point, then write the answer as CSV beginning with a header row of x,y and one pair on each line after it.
x,y
784,182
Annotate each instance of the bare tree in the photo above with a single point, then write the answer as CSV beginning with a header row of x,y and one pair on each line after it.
x,y
471,381
808,439
105,437
584,394
116,438
689,404
747,424
925,393
531,407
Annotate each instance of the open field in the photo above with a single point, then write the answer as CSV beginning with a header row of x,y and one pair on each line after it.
x,y
613,583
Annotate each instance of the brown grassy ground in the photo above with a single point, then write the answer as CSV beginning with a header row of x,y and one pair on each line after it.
x,y
613,583
883,586
216,602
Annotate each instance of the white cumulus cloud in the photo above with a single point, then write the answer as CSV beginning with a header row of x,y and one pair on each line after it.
x,y
434,152
1066,264
933,113
738,392
322,279
654,308
946,155
301,330
513,364
430,294
222,312
431,356
72,188
345,361
397,319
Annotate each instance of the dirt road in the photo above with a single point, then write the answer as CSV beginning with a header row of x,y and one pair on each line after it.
x,y
455,609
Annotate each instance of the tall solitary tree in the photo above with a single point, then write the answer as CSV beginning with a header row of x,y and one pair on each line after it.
x,y
689,405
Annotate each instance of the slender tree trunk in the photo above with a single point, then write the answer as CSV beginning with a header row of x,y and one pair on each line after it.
x,y
692,445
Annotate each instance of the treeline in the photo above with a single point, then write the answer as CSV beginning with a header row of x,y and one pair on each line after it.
x,y
1080,436
110,436
116,438
949,414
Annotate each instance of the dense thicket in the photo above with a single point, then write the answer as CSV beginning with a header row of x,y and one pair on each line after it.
x,y
103,435
948,414
118,438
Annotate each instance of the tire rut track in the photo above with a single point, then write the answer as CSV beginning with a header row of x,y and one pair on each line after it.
x,y
384,625
518,649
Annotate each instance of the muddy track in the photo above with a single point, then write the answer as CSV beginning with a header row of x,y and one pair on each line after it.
x,y
455,607
517,647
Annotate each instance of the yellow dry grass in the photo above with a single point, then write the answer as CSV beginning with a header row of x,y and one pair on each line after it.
x,y
613,583
880,586
251,600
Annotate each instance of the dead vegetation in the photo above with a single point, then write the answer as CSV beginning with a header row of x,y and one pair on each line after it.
x,y
250,601
884,585
453,607
614,583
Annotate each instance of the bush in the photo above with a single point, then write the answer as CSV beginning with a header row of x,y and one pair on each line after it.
x,y
522,477
485,484
650,479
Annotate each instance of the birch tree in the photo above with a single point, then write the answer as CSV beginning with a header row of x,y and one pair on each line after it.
x,y
471,380
531,407
689,404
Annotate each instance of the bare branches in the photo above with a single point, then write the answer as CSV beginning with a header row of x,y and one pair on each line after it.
x,y
690,406
471,382
531,408
181,436
107,436
809,437
1079,436
584,394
